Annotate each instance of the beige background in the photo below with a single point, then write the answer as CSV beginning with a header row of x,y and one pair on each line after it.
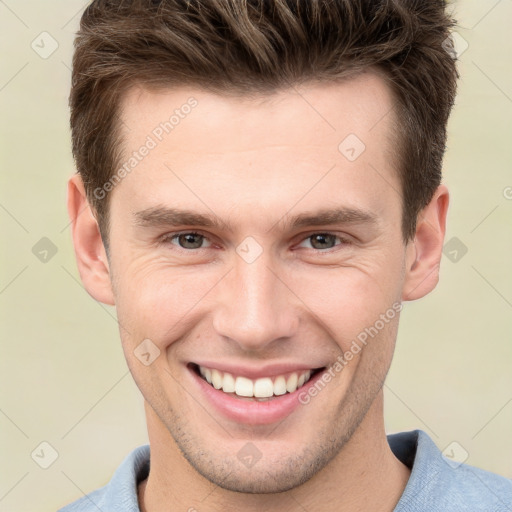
x,y
63,376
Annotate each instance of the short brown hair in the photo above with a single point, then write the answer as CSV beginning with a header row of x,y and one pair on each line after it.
x,y
260,46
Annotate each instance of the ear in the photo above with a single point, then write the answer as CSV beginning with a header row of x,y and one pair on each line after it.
x,y
90,253
423,254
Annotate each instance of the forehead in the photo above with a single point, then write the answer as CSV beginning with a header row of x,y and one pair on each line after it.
x,y
312,113
262,150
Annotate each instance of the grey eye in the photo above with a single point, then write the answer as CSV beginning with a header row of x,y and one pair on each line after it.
x,y
190,240
322,241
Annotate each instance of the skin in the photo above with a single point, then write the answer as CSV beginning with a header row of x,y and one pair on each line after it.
x,y
254,163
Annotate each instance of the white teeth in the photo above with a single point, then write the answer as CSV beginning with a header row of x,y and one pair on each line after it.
x,y
280,386
260,389
263,388
244,387
216,379
228,384
291,383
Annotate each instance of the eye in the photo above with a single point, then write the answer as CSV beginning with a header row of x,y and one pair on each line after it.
x,y
322,241
188,240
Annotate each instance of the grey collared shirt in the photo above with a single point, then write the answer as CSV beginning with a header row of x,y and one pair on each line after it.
x,y
436,484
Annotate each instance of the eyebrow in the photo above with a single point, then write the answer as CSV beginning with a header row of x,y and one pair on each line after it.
x,y
163,216
172,217
343,215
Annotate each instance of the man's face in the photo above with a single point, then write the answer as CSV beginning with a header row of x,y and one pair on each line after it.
x,y
277,282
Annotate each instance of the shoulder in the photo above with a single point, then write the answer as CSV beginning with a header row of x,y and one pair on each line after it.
x,y
440,483
120,494
95,500
481,488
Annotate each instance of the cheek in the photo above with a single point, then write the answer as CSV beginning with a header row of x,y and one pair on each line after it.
x,y
157,303
348,300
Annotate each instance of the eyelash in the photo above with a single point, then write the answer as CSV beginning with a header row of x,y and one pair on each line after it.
x,y
171,236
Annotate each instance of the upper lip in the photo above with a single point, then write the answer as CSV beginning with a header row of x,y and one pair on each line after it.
x,y
257,372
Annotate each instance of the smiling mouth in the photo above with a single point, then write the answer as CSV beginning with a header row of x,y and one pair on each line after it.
x,y
262,389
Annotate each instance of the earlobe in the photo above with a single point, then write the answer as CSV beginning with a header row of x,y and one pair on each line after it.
x,y
91,257
424,254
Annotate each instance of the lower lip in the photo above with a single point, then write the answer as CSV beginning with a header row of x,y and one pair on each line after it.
x,y
253,412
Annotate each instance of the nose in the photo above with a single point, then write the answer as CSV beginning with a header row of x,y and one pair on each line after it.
x,y
254,307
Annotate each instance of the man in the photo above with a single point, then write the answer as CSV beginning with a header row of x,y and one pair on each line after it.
x,y
258,190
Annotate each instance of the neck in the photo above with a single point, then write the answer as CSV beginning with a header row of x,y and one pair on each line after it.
x,y
364,475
